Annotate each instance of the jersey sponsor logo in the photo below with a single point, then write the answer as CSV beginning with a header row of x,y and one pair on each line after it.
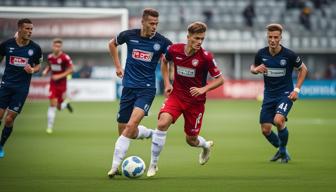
x,y
276,72
134,41
179,58
283,62
186,72
11,49
18,61
264,60
194,62
142,55
156,46
56,67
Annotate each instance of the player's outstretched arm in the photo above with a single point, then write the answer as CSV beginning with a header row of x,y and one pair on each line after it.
x,y
302,73
218,81
114,54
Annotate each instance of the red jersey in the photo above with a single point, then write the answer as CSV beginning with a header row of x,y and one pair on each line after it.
x,y
191,71
59,65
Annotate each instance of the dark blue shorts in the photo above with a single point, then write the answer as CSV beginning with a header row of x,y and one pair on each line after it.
x,y
13,98
272,106
134,97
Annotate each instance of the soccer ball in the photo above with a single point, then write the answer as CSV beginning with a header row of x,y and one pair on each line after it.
x,y
133,167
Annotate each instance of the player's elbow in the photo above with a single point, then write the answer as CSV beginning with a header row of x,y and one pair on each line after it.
x,y
37,68
221,80
71,70
252,70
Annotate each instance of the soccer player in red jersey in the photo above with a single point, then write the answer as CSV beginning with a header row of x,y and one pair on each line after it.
x,y
60,65
188,94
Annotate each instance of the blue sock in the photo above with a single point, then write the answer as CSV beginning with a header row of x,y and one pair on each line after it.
x,y
273,139
6,132
283,136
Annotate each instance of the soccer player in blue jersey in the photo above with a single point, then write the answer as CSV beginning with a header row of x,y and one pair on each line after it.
x,y
23,58
144,50
276,63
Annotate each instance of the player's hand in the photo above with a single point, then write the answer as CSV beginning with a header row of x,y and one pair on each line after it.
x,y
195,91
29,69
260,69
120,72
293,96
168,89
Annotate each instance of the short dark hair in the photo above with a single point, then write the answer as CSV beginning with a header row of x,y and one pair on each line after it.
x,y
197,27
274,27
58,40
149,12
24,20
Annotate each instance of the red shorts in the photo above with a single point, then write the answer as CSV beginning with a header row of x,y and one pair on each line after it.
x,y
192,113
57,92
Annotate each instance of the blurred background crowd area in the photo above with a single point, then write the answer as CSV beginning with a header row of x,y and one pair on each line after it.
x,y
236,31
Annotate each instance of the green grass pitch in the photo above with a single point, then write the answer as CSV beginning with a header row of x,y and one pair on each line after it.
x,y
77,156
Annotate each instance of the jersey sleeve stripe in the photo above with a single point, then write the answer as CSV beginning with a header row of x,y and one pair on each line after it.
x,y
299,67
218,75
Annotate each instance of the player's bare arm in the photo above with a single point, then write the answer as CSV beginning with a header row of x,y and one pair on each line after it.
x,y
114,54
302,73
165,75
29,69
218,81
259,69
67,72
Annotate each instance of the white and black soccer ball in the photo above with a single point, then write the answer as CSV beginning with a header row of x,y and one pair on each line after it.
x,y
133,167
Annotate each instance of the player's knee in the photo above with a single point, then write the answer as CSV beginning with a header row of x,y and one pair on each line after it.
x,y
266,130
279,122
162,125
9,121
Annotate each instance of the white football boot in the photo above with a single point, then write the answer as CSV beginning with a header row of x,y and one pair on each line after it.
x,y
152,170
113,173
205,154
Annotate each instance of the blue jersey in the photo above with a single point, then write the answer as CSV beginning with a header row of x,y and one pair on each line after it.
x,y
143,55
278,79
16,59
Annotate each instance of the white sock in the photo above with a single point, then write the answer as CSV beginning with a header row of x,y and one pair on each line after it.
x,y
144,132
158,141
202,142
120,150
51,116
63,105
